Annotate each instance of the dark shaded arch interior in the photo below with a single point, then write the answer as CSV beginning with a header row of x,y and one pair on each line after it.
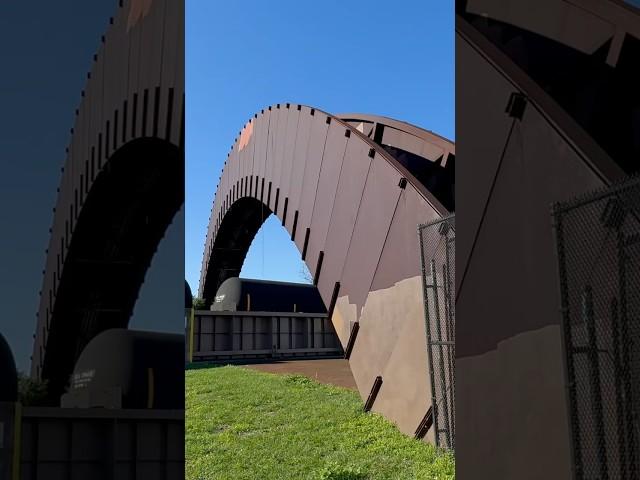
x,y
602,99
439,180
237,230
125,215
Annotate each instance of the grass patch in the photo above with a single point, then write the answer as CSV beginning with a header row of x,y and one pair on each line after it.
x,y
244,424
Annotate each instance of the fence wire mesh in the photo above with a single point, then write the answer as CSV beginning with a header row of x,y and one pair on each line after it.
x,y
598,246
437,246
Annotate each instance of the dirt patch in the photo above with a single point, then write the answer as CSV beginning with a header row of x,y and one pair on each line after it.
x,y
329,371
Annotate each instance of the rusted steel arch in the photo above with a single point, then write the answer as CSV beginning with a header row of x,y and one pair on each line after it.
x,y
410,145
352,209
535,136
121,184
398,138
599,165
403,135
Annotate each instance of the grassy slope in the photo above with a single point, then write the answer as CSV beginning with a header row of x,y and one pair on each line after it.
x,y
244,424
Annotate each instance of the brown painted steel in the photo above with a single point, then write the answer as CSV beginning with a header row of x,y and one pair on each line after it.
x,y
510,388
120,186
355,220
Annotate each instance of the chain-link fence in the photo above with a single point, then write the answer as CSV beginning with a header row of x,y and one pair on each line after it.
x,y
598,246
437,246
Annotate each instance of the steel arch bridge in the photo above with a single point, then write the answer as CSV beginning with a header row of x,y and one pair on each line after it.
x,y
549,108
122,183
351,190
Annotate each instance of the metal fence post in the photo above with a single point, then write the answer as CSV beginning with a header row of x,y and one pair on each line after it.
x,y
599,282
437,244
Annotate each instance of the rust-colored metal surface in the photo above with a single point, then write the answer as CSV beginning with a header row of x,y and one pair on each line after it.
x,y
531,135
351,191
121,184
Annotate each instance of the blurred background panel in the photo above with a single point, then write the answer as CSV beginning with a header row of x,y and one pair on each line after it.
x,y
92,244
47,52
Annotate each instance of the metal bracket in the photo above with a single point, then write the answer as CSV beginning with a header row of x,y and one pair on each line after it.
x,y
352,340
516,106
377,383
425,424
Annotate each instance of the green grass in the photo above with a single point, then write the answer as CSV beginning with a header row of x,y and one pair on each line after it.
x,y
245,424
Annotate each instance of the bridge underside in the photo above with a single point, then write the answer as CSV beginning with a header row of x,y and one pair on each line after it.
x,y
131,203
246,216
120,186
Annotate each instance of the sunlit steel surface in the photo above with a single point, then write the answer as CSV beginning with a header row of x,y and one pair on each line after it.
x,y
351,190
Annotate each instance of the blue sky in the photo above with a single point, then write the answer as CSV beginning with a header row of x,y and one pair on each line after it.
x,y
389,58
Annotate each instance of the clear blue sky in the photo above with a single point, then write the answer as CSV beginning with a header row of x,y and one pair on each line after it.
x,y
389,58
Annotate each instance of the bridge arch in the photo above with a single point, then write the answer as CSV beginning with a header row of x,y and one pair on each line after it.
x,y
122,183
350,190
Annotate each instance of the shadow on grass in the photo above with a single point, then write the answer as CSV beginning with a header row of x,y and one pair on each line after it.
x,y
203,365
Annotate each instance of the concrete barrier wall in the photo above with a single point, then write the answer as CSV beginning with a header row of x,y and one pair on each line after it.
x,y
236,335
101,444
